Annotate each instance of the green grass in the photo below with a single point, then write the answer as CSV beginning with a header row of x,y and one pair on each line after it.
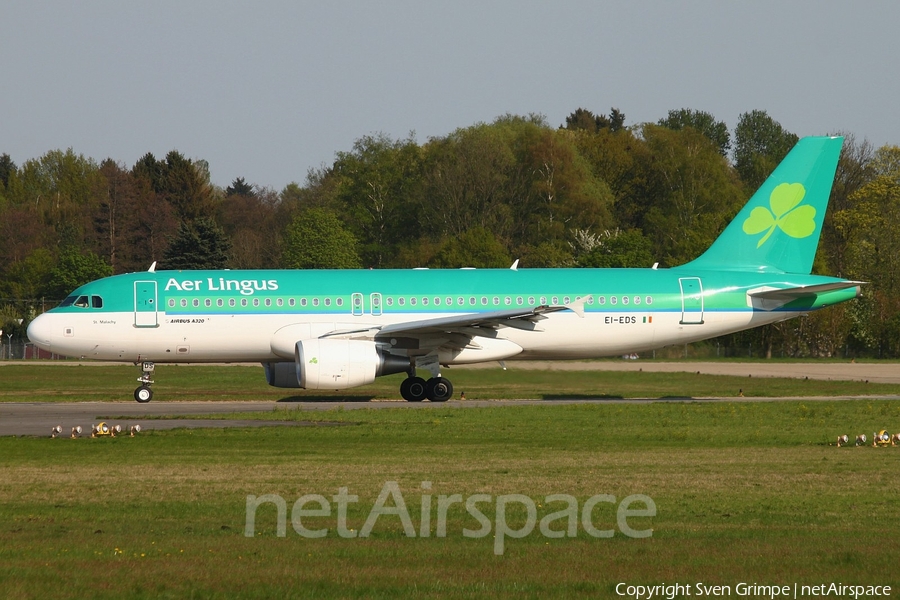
x,y
52,383
744,492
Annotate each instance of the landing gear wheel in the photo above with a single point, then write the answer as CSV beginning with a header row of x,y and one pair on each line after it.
x,y
438,389
413,389
143,394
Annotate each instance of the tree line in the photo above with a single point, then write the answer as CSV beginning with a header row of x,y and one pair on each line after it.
x,y
591,192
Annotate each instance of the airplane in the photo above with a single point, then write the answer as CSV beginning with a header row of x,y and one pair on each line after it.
x,y
338,329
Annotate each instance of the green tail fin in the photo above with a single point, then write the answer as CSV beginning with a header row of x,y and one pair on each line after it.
x,y
779,227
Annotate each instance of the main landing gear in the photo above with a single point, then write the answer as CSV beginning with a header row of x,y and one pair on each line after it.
x,y
143,393
416,389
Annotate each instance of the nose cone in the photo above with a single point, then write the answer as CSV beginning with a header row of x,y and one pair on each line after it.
x,y
39,332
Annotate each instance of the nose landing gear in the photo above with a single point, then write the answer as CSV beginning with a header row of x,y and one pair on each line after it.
x,y
143,393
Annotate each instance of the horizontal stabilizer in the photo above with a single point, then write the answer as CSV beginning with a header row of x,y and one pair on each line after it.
x,y
769,298
804,291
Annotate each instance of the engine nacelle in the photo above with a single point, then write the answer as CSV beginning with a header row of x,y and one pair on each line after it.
x,y
281,374
336,364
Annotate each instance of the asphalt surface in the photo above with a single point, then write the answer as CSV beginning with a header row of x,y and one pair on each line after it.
x,y
38,419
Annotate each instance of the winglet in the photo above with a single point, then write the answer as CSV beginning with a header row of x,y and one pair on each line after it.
x,y
152,268
515,265
577,306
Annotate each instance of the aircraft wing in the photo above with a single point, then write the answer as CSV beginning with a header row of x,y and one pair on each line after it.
x,y
468,324
525,318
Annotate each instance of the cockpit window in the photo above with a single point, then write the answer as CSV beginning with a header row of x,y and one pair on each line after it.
x,y
82,302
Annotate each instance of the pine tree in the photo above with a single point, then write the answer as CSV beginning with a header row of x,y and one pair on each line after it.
x,y
201,245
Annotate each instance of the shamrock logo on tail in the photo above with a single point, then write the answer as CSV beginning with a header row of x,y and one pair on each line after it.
x,y
785,214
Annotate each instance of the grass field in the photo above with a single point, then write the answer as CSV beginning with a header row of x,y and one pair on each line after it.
x,y
744,492
72,383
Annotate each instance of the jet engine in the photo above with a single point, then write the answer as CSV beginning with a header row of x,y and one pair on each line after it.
x,y
338,364
281,374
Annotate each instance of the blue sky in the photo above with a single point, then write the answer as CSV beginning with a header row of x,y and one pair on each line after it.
x,y
266,90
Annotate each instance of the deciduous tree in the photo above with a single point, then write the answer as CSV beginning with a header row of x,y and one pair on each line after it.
x,y
704,122
760,142
317,239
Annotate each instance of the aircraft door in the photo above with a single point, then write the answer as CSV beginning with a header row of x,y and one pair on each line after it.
x,y
691,301
356,304
145,301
